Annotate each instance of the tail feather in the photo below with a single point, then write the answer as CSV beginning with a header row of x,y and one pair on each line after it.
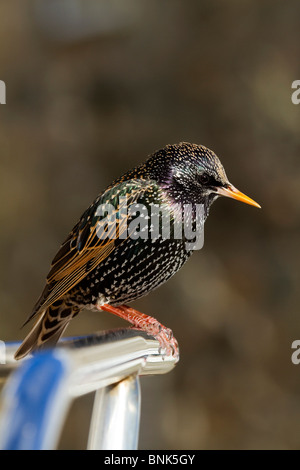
x,y
47,329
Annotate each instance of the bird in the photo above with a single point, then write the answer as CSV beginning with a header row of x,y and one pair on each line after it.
x,y
106,262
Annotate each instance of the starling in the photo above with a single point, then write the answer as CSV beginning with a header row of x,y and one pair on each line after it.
x,y
106,262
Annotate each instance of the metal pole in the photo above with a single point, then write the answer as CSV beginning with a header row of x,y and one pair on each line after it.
x,y
39,390
116,416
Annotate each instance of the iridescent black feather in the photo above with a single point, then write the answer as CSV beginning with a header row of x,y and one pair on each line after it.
x,y
88,271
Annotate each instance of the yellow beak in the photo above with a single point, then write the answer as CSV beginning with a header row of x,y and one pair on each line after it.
x,y
231,191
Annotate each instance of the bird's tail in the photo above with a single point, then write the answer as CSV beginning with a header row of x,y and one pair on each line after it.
x,y
48,328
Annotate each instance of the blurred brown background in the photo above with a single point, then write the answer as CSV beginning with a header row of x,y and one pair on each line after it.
x,y
93,87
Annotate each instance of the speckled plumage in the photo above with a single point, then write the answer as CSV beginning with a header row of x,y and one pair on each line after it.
x,y
89,272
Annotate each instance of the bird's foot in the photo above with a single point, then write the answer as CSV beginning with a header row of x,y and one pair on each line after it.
x,y
168,343
141,321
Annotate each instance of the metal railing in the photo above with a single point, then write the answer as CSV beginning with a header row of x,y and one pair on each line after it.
x,y
38,391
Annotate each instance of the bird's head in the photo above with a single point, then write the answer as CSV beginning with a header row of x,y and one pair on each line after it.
x,y
192,173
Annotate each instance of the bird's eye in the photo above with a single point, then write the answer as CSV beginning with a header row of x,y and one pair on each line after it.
x,y
204,178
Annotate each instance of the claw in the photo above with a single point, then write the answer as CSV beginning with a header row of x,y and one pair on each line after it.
x,y
165,337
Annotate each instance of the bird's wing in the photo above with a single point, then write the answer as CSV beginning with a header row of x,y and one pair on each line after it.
x,y
91,240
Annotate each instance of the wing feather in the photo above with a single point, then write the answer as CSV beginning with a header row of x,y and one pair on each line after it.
x,y
83,249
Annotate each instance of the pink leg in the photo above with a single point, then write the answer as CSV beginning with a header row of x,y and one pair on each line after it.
x,y
149,324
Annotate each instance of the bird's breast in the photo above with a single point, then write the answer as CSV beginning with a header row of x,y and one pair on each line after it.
x,y
132,270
